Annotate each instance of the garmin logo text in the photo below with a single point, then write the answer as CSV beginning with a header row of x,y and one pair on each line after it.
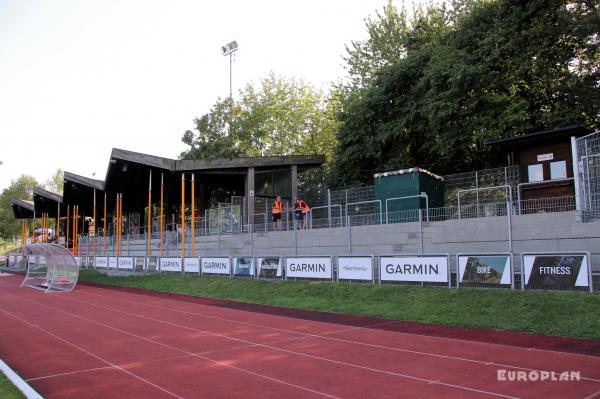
x,y
216,265
555,270
412,269
307,267
169,263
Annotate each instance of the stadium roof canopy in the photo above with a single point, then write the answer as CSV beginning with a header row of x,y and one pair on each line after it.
x,y
544,135
22,209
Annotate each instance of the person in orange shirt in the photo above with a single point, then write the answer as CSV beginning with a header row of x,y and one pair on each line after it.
x,y
305,219
276,212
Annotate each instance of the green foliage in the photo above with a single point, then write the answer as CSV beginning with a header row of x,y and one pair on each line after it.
x,y
22,188
485,69
556,313
55,182
279,117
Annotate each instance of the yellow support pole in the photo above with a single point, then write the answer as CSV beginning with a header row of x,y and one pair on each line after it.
x,y
73,233
76,229
120,224
115,223
149,227
182,215
95,230
161,213
104,226
193,222
58,224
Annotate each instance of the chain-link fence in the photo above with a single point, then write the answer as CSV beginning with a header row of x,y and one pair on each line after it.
x,y
588,163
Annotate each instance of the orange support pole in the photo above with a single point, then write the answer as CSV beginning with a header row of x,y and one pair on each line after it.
x,y
67,227
115,222
76,246
95,230
161,213
149,227
104,226
58,225
193,222
182,215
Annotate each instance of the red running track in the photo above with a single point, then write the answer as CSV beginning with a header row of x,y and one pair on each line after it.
x,y
102,342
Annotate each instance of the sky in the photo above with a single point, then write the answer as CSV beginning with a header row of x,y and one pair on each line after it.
x,y
78,78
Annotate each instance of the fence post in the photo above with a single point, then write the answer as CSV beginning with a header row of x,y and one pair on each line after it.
x,y
509,217
421,229
219,239
329,207
295,238
477,192
251,241
349,224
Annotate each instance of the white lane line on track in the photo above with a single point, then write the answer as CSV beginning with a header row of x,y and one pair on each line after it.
x,y
146,362
594,395
324,336
425,380
184,351
89,353
317,321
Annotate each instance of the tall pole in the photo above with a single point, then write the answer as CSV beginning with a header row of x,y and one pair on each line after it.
x,y
230,75
182,214
148,250
161,213
104,226
193,222
73,227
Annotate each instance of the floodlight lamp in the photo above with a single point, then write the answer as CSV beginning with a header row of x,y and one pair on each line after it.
x,y
230,47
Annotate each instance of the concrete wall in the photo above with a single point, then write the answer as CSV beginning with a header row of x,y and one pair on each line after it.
x,y
536,232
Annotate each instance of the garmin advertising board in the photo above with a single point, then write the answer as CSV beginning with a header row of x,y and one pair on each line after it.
x,y
484,269
220,265
268,267
169,264
112,262
355,268
430,269
191,265
566,271
125,262
309,267
101,262
243,266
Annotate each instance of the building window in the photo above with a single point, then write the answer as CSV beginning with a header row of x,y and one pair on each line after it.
x,y
535,172
558,170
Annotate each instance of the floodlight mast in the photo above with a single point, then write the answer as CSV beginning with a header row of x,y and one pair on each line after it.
x,y
228,50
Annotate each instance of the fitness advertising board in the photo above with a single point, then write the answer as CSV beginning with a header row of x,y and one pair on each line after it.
x,y
556,270
309,267
430,269
112,262
484,269
355,268
220,265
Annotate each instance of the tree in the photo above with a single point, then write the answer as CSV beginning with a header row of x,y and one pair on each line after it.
x,y
495,69
279,117
56,181
22,188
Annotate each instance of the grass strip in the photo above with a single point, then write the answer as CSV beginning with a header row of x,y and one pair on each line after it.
x,y
571,314
8,390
